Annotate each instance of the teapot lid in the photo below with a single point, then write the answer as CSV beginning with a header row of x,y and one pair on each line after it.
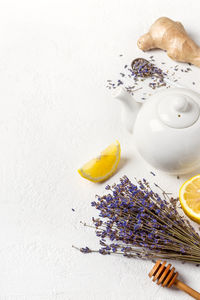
x,y
178,110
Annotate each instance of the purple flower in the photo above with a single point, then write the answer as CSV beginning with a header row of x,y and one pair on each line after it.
x,y
85,250
134,221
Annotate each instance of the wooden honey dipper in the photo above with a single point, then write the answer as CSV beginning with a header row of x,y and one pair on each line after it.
x,y
168,277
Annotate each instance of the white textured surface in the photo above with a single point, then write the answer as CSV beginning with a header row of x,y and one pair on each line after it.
x,y
55,113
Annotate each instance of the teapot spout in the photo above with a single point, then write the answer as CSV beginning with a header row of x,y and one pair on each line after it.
x,y
130,107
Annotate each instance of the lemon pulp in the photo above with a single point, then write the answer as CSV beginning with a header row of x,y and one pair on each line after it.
x,y
190,198
103,166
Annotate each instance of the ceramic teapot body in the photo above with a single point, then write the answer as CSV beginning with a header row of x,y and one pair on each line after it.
x,y
166,128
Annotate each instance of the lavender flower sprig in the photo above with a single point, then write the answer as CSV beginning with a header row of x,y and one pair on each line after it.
x,y
135,222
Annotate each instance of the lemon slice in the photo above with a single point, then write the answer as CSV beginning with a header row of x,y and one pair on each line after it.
x,y
189,195
100,168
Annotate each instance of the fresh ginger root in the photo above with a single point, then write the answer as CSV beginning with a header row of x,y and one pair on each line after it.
x,y
172,37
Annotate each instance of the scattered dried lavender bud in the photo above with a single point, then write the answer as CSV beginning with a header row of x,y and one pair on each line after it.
x,y
152,173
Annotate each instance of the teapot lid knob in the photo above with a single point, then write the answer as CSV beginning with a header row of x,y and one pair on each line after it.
x,y
178,110
181,104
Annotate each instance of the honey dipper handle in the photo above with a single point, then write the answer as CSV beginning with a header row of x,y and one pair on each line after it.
x,y
184,287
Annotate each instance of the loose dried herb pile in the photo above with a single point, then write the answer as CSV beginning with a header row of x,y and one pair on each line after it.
x,y
136,222
142,69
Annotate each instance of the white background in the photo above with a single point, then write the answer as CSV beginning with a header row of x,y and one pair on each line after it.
x,y
55,114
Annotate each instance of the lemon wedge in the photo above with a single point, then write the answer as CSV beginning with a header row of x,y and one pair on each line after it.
x,y
189,196
102,167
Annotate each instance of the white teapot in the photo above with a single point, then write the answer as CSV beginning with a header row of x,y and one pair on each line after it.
x,y
166,128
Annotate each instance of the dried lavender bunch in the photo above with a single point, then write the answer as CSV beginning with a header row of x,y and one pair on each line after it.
x,y
135,222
